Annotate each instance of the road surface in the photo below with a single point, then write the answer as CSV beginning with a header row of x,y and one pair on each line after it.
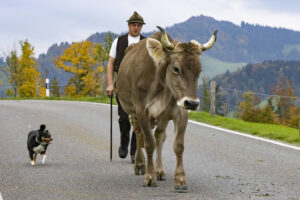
x,y
218,165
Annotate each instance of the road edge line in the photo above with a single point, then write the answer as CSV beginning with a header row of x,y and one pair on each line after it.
x,y
245,135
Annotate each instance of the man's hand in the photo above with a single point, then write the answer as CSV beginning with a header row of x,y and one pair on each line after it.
x,y
110,90
110,77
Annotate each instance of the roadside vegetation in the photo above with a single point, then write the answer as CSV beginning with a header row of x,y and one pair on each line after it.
x,y
271,131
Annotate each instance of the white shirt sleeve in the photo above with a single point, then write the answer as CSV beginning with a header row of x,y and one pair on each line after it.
x,y
113,49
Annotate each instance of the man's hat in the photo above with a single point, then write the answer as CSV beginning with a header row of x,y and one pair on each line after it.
x,y
136,18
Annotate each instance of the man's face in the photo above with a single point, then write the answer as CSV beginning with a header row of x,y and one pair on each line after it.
x,y
135,29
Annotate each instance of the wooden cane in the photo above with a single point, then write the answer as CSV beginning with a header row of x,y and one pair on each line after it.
x,y
111,99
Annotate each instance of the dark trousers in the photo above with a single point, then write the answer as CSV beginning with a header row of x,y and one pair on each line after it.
x,y
125,129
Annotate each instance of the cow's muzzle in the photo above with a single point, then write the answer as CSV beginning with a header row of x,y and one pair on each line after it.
x,y
191,105
188,103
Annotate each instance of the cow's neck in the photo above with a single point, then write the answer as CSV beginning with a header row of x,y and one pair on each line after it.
x,y
159,98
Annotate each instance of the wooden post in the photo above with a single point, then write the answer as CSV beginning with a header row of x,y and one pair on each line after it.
x,y
299,123
212,98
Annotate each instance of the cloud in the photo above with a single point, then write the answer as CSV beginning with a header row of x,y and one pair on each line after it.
x,y
53,21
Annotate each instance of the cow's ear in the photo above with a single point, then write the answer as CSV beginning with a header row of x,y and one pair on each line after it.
x,y
156,51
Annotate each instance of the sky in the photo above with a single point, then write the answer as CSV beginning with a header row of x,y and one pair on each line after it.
x,y
45,22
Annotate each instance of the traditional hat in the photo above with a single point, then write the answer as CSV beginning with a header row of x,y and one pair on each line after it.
x,y
136,18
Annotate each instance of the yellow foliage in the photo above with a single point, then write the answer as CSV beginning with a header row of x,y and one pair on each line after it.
x,y
28,73
70,91
42,88
85,61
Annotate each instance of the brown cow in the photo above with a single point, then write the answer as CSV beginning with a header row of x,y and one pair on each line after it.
x,y
157,82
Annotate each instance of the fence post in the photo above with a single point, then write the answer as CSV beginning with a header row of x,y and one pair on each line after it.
x,y
212,98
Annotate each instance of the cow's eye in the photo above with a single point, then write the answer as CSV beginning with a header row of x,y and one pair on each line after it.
x,y
176,70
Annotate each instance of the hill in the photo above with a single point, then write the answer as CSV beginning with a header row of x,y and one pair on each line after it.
x,y
259,78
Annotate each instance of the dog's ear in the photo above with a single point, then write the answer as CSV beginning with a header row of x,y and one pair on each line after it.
x,y
42,127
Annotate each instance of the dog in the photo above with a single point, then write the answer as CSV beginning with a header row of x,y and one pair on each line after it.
x,y
38,142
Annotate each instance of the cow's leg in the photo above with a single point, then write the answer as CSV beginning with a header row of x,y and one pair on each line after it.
x,y
160,137
139,163
149,142
180,122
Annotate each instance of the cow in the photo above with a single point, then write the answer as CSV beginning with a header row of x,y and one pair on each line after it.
x,y
157,82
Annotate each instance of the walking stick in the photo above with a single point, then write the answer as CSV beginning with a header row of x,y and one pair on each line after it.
x,y
111,99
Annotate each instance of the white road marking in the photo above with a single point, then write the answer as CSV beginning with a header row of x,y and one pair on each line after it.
x,y
246,135
1,198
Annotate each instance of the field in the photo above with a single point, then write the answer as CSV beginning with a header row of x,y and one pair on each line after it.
x,y
212,67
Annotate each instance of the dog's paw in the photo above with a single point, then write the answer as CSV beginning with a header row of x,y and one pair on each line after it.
x,y
43,159
32,163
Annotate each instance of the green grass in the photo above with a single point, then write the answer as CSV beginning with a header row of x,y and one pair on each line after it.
x,y
271,131
212,66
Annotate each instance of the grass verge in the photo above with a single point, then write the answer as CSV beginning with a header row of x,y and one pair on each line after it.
x,y
271,131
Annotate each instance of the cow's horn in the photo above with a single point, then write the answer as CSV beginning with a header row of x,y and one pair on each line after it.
x,y
210,42
164,39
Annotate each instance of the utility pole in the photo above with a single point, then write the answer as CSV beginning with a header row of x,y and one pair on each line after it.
x,y
212,98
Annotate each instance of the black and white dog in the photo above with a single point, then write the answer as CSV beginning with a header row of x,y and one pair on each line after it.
x,y
38,142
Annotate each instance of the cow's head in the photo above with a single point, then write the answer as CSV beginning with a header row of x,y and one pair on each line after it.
x,y
180,67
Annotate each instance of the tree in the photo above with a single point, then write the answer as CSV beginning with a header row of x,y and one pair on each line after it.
x,y
83,60
284,100
249,110
12,71
205,103
29,74
55,88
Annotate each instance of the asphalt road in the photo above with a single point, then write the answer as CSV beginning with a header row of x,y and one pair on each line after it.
x,y
218,165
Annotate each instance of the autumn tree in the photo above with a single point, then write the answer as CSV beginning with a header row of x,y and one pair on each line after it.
x,y
102,56
29,74
249,110
284,99
55,88
83,60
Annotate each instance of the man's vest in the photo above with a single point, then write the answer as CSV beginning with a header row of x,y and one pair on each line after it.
x,y
122,44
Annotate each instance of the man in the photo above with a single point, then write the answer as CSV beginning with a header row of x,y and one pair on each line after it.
x,y
116,54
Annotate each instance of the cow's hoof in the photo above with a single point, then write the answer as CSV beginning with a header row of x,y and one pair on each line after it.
x,y
181,188
161,177
139,170
149,183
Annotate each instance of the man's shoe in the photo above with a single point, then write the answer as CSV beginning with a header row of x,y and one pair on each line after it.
x,y
123,152
132,158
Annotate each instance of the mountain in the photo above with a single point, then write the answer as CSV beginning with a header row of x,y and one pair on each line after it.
x,y
47,66
244,43
259,78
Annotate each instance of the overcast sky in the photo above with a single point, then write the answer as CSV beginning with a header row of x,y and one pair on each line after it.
x,y
45,22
